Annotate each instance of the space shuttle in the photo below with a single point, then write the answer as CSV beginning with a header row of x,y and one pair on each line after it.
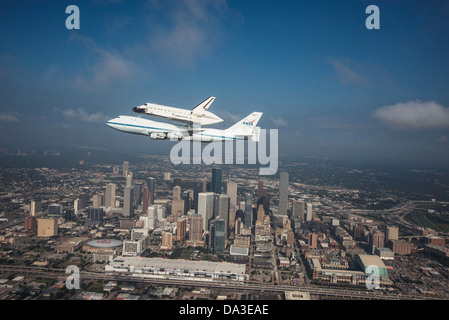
x,y
198,115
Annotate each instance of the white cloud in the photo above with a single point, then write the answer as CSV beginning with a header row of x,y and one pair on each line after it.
x,y
229,116
414,115
195,29
107,68
8,117
81,114
346,73
279,122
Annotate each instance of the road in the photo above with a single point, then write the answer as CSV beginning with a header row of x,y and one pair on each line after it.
x,y
242,286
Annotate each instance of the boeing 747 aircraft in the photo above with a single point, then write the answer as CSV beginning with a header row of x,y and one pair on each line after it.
x,y
245,129
198,115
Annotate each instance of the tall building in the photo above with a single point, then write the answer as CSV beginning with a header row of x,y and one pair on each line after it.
x,y
231,191
109,197
195,231
377,239
392,233
167,176
219,236
261,191
35,207
167,241
181,229
145,200
216,180
298,210
76,205
31,223
54,209
248,214
128,202
283,193
47,227
152,216
206,208
223,212
185,196
125,168
309,212
313,240
96,202
137,193
151,185
129,179
94,216
176,193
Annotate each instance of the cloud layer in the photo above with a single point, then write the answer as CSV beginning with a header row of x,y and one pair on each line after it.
x,y
8,117
414,115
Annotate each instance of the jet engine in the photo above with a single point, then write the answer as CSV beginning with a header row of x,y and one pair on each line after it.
x,y
156,136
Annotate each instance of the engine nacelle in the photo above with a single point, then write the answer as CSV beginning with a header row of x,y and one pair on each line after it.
x,y
174,136
156,136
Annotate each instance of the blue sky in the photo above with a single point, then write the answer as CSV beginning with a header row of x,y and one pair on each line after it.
x,y
331,86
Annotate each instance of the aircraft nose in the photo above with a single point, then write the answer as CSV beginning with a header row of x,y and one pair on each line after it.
x,y
112,123
139,109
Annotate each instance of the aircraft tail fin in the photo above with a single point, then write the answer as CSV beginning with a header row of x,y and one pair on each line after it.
x,y
247,126
199,109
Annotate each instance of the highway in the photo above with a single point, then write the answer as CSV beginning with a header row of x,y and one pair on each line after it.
x,y
228,285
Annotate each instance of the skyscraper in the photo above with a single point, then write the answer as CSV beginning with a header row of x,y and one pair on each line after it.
x,y
298,210
392,233
35,207
216,180
128,203
137,193
219,236
129,179
309,212
283,193
109,200
261,191
94,216
232,193
377,239
125,168
195,231
206,208
223,212
151,186
176,193
145,200
313,239
181,229
248,214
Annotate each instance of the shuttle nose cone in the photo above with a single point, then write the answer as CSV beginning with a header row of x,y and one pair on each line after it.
x,y
139,109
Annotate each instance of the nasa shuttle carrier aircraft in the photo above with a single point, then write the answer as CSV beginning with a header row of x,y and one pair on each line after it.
x,y
245,129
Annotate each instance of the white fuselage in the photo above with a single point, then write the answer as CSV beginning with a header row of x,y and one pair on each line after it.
x,y
160,130
178,114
